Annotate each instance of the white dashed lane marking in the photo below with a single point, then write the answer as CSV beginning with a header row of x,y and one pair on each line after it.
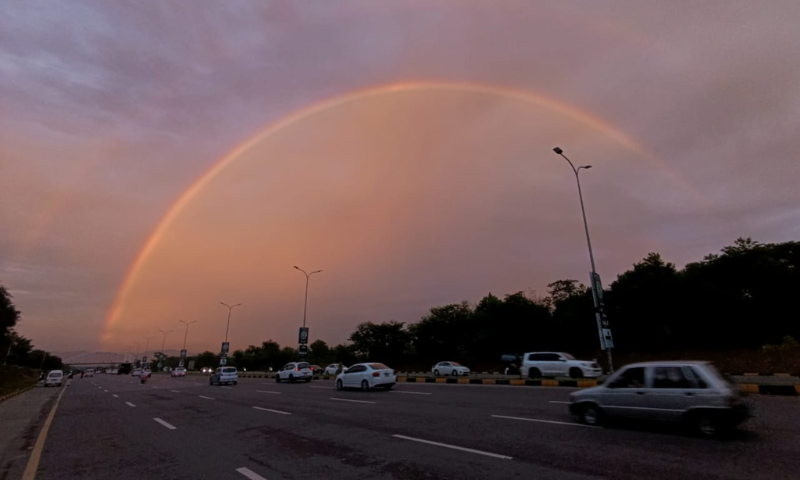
x,y
162,422
273,411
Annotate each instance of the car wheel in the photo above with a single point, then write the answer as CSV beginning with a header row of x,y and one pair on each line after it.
x,y
436,373
364,385
590,415
453,372
707,426
236,383
339,385
575,372
534,373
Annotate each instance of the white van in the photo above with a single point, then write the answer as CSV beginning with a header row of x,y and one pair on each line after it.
x,y
54,378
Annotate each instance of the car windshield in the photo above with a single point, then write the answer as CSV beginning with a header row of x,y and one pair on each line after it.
x,y
303,365
455,364
568,356
378,366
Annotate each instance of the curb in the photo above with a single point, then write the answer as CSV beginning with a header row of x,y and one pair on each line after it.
x,y
751,388
15,393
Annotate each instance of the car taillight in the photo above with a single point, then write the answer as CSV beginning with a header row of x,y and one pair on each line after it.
x,y
376,374
296,369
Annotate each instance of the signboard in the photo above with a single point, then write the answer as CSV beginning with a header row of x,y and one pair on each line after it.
x,y
603,325
223,361
183,358
225,346
160,364
303,336
303,349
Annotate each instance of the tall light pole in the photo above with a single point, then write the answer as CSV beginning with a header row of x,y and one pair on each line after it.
x,y
596,296
147,344
230,309
305,305
164,339
187,331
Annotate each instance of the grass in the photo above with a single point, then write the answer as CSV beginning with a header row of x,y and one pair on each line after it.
x,y
13,378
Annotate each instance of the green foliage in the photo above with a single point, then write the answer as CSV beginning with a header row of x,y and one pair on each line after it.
x,y
9,315
386,342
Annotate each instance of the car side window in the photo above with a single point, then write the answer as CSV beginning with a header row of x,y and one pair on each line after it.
x,y
357,369
535,357
670,377
630,378
553,357
445,364
694,376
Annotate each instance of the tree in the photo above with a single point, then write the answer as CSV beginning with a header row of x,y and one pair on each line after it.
x,y
381,342
9,316
445,333
320,353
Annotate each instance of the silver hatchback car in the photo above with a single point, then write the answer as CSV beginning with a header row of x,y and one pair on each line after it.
x,y
690,392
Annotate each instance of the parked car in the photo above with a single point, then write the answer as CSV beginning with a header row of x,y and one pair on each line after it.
x,y
367,376
136,372
89,372
294,371
224,375
690,392
449,368
333,369
554,364
54,378
316,369
179,372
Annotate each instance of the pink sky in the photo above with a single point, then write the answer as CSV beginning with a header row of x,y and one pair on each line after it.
x,y
416,198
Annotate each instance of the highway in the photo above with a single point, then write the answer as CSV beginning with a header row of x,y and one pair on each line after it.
x,y
113,427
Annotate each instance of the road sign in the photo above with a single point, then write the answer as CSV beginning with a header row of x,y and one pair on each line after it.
x,y
603,324
159,364
303,349
223,361
225,346
183,358
303,336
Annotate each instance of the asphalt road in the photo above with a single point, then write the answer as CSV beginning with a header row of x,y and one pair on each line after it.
x,y
114,427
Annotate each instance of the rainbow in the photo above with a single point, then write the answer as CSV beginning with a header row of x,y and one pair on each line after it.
x,y
187,196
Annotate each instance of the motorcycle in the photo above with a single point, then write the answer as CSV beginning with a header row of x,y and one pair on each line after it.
x,y
143,378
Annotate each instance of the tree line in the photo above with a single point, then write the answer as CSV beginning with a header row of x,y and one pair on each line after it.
x,y
16,349
743,296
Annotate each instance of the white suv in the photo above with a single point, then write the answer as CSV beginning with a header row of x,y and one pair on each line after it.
x,y
554,364
224,375
295,371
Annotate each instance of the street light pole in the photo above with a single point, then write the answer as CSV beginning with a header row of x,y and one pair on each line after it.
x,y
595,293
230,309
187,331
164,339
147,344
305,304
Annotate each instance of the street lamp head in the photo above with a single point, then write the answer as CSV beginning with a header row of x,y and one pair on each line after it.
x,y
296,267
558,151
587,167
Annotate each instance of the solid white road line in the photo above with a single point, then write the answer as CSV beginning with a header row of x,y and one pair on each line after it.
x,y
411,393
562,403
115,395
130,404
273,411
454,447
207,398
268,391
175,391
544,421
162,422
250,474
354,401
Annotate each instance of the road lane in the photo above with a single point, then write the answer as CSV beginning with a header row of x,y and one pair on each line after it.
x,y
353,440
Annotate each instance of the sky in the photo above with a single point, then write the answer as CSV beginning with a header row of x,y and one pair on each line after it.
x,y
157,158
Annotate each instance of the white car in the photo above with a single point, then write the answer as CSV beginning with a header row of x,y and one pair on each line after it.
x,y
224,375
333,369
294,371
54,378
89,372
555,364
449,368
179,372
136,372
367,376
